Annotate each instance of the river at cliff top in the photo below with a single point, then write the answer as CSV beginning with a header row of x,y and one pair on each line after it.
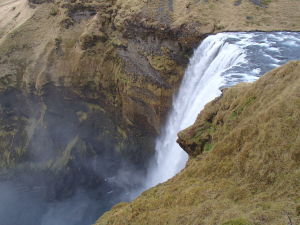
x,y
221,61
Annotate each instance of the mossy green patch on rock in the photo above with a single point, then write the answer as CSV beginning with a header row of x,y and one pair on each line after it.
x,y
116,42
237,222
298,210
162,63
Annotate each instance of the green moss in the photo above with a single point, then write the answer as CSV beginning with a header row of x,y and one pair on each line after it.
x,y
242,107
53,11
250,100
208,147
266,2
162,63
298,210
118,43
233,115
237,222
206,129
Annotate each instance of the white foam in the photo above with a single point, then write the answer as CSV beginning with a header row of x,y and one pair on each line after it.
x,y
216,63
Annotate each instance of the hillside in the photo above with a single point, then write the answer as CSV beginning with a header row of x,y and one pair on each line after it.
x,y
123,59
85,85
244,166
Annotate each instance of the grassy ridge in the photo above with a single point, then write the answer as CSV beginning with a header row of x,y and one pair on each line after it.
x,y
250,175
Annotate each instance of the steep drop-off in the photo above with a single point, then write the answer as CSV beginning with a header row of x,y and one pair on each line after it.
x,y
78,97
85,84
244,165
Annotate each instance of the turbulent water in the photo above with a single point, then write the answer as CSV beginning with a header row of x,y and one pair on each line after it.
x,y
220,61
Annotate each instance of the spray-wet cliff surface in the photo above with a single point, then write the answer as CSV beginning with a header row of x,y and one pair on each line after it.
x,y
244,161
85,84
82,91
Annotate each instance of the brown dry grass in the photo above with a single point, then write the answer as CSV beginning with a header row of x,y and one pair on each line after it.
x,y
252,174
13,13
224,15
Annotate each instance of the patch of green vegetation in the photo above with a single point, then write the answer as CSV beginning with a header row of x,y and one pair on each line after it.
x,y
266,2
241,108
250,100
8,80
233,115
118,43
237,222
162,63
219,27
57,41
53,11
208,147
298,210
203,130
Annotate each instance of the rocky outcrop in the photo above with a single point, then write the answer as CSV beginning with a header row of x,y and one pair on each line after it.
x,y
244,161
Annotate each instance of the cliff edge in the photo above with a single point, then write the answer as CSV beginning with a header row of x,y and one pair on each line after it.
x,y
244,165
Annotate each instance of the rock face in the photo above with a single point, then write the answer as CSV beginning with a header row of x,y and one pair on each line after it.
x,y
76,89
244,161
83,80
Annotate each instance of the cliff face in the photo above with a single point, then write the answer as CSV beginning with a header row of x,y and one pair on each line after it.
x,y
78,84
244,161
88,79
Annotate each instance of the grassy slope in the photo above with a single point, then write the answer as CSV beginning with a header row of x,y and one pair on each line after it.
x,y
225,15
251,174
29,32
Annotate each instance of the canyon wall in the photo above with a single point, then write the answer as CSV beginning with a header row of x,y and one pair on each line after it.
x,y
89,80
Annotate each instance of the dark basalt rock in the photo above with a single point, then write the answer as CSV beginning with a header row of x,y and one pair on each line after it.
x,y
39,1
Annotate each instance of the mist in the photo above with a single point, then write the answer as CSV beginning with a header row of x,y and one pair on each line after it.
x,y
29,207
65,164
24,203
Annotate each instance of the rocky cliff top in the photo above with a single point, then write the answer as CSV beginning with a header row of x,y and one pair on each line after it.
x,y
244,161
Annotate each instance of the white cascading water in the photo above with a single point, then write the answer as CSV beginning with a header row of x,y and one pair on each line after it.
x,y
221,60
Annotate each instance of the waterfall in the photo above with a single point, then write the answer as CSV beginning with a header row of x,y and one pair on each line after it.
x,y
220,61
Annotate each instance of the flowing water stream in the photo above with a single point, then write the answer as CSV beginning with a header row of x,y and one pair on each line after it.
x,y
221,60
